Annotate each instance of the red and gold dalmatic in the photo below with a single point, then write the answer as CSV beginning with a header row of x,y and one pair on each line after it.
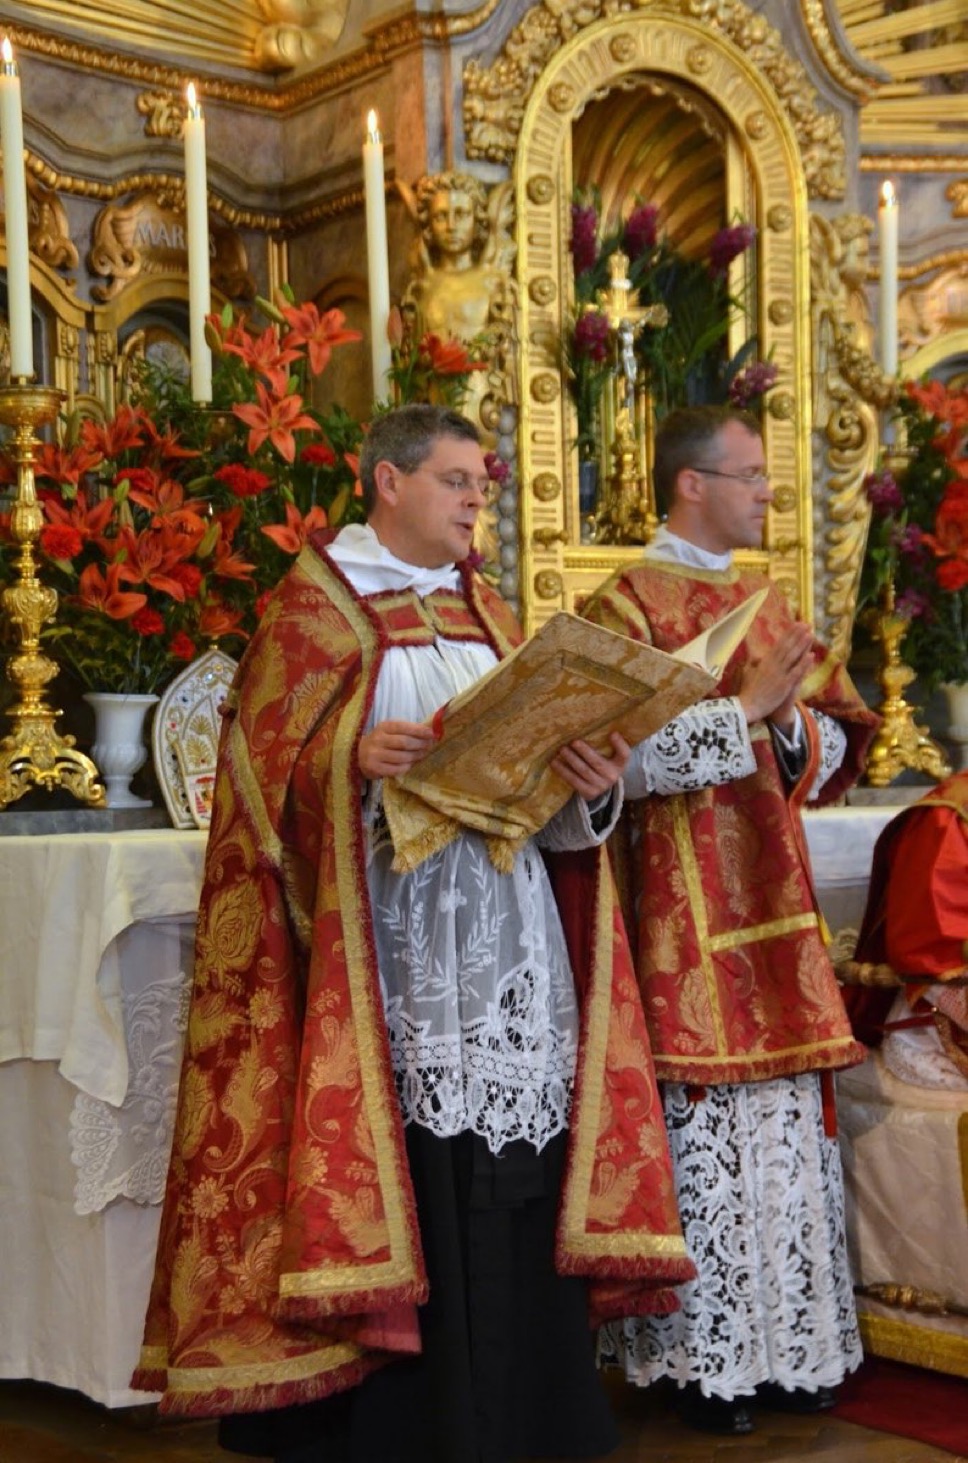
x,y
289,1262
732,965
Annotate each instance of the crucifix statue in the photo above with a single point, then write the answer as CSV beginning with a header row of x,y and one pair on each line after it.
x,y
628,512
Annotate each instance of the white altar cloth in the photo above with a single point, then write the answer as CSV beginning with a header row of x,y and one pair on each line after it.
x,y
64,898
96,934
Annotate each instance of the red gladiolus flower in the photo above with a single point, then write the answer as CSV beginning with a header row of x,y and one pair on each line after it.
x,y
102,592
243,482
148,622
318,333
275,418
60,541
182,647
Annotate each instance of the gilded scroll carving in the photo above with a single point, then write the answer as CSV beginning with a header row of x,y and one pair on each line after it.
x,y
49,230
933,306
296,31
847,385
495,96
146,235
164,113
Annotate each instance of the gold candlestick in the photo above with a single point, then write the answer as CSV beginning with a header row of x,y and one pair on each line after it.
x,y
899,742
34,754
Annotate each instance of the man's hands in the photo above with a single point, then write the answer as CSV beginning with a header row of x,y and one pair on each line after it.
x,y
392,748
589,772
768,689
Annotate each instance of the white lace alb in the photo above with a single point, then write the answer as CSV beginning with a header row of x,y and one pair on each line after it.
x,y
760,1193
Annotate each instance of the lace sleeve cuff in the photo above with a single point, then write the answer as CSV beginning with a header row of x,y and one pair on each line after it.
x,y
706,745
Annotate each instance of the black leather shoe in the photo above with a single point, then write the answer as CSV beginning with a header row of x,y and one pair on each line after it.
x,y
713,1414
777,1399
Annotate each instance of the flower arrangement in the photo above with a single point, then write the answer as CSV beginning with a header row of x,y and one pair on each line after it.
x,y
917,547
684,361
166,526
431,368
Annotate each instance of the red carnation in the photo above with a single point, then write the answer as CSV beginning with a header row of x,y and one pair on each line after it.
x,y
60,541
189,576
318,454
147,622
244,482
182,646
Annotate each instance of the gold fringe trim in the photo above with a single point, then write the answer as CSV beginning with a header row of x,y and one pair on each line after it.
x,y
940,1351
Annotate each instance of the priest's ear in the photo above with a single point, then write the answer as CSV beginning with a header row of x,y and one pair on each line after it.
x,y
385,481
689,488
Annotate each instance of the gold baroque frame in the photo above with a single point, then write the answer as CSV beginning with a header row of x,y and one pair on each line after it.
x,y
555,570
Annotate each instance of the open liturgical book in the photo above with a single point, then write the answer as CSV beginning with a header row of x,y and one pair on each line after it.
x,y
490,768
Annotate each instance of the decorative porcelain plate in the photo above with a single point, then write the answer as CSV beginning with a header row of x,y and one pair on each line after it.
x,y
185,737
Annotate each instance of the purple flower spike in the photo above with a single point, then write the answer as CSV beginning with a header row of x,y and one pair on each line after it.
x,y
641,231
584,237
728,245
883,494
591,336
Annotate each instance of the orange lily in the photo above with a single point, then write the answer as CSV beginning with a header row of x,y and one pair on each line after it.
x,y
291,535
275,418
318,333
448,357
125,431
89,522
262,353
64,464
102,592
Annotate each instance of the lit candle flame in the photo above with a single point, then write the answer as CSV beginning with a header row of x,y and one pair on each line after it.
x,y
7,51
192,97
888,195
372,126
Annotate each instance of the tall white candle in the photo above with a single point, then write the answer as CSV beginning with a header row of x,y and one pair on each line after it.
x,y
196,221
15,217
378,264
887,215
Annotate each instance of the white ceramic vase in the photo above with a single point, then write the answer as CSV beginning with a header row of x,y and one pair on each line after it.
x,y
119,743
956,732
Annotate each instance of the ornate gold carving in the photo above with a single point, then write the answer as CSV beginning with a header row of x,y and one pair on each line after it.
x,y
779,312
699,60
49,230
841,66
901,162
784,499
957,192
779,218
495,96
546,487
756,126
461,277
542,289
34,754
296,34
548,584
781,405
164,113
928,310
622,47
846,385
562,97
899,742
545,387
147,236
541,188
545,537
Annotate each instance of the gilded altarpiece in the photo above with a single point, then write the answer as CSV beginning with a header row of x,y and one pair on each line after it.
x,y
782,150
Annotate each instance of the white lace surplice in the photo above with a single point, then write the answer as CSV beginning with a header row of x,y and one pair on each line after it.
x,y
759,1184
477,985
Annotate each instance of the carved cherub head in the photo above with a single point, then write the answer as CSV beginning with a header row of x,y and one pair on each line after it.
x,y
452,215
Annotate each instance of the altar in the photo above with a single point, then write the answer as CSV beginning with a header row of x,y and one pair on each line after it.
x,y
94,979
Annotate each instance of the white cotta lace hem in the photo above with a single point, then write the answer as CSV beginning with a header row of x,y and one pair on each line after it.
x,y
760,1192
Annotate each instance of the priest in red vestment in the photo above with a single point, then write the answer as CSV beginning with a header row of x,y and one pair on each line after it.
x,y
743,1008
419,1151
